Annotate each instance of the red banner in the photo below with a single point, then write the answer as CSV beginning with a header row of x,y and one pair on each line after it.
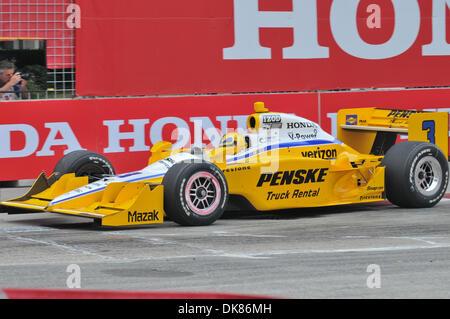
x,y
21,293
35,135
176,47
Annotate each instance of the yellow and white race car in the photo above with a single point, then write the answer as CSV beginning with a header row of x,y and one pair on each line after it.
x,y
281,161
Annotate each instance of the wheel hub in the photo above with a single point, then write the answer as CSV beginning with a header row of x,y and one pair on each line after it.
x,y
202,193
428,176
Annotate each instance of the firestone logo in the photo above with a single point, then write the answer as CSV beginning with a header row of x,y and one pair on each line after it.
x,y
248,19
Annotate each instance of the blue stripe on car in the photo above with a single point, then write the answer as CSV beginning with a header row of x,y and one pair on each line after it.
x,y
284,145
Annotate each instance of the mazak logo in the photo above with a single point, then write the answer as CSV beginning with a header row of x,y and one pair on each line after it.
x,y
301,176
135,217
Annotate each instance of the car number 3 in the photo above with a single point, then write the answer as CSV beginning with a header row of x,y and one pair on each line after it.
x,y
430,127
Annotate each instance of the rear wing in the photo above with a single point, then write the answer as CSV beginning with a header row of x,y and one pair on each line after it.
x,y
375,130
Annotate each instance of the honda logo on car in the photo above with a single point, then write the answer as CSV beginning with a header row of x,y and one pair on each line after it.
x,y
300,125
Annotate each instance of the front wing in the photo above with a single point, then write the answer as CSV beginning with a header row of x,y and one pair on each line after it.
x,y
118,204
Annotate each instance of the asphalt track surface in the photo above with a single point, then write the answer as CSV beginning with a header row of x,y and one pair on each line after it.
x,y
333,252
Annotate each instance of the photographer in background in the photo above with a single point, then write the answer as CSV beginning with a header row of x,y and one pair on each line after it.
x,y
12,85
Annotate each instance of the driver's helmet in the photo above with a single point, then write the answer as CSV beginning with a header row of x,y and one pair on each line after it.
x,y
233,141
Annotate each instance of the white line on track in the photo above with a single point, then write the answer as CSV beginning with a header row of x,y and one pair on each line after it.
x,y
232,234
25,229
64,247
416,239
348,250
212,253
271,254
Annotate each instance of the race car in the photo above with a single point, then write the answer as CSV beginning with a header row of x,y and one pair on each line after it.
x,y
282,161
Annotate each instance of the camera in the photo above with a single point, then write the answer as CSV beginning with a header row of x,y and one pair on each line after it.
x,y
26,76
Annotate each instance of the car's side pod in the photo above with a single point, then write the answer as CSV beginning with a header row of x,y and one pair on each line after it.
x,y
375,130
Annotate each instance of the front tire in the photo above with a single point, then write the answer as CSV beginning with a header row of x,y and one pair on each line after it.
x,y
416,174
85,163
195,194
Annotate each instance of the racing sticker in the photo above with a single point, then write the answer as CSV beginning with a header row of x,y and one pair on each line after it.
x,y
351,119
271,122
276,118
301,176
139,217
402,113
293,194
236,169
320,153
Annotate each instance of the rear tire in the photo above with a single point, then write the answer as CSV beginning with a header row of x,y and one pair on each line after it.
x,y
85,163
416,174
195,194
